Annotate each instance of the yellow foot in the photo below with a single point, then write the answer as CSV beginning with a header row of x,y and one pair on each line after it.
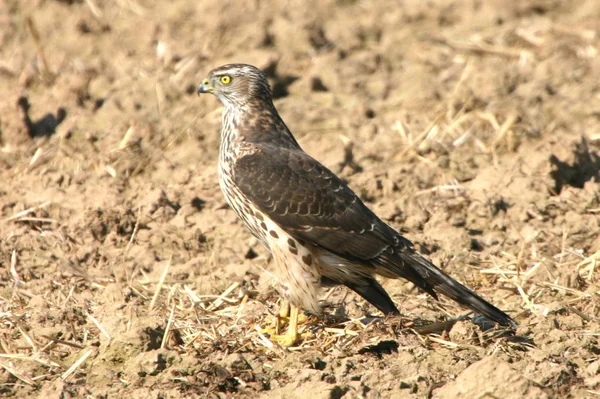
x,y
288,315
288,339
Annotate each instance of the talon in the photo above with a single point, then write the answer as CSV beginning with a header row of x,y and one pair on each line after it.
x,y
287,340
290,315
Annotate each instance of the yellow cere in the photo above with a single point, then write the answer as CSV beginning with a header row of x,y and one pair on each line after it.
x,y
225,79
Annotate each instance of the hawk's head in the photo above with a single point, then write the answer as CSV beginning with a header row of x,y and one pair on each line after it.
x,y
236,84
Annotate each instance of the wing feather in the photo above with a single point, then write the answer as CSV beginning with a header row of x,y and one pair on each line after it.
x,y
312,203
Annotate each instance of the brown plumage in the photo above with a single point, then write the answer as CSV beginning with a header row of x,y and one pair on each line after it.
x,y
317,228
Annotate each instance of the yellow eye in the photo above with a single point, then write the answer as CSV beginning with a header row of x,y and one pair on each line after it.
x,y
226,79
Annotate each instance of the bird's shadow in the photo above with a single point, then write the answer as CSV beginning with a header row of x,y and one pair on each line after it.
x,y
385,347
401,325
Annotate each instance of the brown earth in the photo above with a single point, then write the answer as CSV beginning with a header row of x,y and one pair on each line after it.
x,y
473,127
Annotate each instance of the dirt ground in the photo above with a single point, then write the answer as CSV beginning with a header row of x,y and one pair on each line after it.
x,y
473,127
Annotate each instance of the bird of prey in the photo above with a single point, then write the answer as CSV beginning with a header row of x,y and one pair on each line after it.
x,y
317,229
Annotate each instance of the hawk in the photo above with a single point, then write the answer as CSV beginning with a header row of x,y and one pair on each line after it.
x,y
317,229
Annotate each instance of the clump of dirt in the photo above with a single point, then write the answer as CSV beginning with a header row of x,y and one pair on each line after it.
x,y
472,128
491,376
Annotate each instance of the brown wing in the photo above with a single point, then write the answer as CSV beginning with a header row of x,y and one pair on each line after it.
x,y
312,203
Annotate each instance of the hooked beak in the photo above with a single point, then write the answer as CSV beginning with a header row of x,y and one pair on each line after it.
x,y
204,87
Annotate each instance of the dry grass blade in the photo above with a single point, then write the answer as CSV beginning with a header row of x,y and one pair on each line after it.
x,y
97,324
38,220
28,211
62,342
76,365
448,344
529,303
558,287
219,301
581,314
16,374
13,270
588,265
168,328
133,6
262,339
44,69
480,47
94,9
135,230
36,359
503,130
435,327
110,170
428,134
340,331
194,298
127,137
35,159
454,188
163,276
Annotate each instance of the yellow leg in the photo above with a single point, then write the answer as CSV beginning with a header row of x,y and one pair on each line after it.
x,y
284,309
291,337
292,331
